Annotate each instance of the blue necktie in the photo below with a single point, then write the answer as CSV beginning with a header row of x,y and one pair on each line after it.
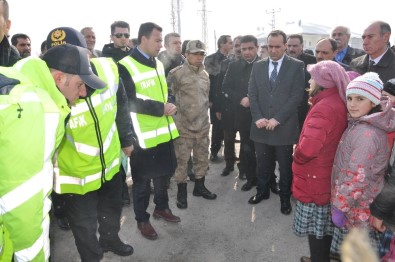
x,y
273,75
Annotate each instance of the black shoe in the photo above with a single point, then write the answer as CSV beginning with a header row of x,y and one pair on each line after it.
x,y
286,207
275,188
227,170
63,223
191,177
214,158
258,198
247,186
118,247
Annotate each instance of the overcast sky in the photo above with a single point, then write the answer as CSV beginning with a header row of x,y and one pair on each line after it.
x,y
237,17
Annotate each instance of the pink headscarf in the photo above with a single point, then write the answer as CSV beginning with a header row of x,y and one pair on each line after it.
x,y
329,74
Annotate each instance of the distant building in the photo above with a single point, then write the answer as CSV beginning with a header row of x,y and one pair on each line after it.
x,y
311,34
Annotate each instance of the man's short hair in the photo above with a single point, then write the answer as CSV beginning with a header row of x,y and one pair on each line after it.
x,y
332,41
121,24
278,33
223,39
248,39
146,30
86,28
384,27
167,37
14,38
298,36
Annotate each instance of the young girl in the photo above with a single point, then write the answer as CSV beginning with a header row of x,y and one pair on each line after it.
x,y
314,155
361,158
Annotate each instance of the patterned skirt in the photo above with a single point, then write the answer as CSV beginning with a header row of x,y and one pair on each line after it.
x,y
340,234
311,219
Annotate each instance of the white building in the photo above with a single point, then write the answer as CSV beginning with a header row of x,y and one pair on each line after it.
x,y
311,34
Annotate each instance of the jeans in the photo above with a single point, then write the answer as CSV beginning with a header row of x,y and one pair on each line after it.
x,y
141,191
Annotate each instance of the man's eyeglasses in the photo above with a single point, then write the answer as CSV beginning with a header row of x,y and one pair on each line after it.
x,y
119,35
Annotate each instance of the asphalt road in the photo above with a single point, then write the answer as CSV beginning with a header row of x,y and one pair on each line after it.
x,y
226,229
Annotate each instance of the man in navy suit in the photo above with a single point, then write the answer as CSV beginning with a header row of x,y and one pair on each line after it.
x,y
275,91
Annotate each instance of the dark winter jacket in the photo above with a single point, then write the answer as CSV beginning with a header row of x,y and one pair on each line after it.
x,y
8,54
115,53
235,88
385,67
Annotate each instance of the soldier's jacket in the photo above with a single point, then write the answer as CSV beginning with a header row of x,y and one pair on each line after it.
x,y
190,86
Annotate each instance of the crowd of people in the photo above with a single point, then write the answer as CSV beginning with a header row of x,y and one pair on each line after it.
x,y
326,121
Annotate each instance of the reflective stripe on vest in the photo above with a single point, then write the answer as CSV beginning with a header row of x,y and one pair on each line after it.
x,y
70,180
91,140
29,119
150,84
42,243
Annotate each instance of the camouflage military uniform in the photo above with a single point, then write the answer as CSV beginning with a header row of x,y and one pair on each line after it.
x,y
190,85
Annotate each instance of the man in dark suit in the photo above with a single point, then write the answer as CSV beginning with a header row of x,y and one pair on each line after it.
x,y
212,65
237,117
275,91
379,57
226,111
345,53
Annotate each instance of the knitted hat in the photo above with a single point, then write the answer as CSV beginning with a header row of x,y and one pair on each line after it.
x,y
352,75
329,74
368,85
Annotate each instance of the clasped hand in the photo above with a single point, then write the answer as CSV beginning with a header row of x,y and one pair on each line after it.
x,y
268,124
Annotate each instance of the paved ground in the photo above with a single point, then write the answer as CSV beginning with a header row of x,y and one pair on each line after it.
x,y
226,229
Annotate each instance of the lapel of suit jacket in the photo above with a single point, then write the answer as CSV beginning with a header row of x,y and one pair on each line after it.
x,y
265,74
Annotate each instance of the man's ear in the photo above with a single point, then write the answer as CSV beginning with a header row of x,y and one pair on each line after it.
x,y
58,77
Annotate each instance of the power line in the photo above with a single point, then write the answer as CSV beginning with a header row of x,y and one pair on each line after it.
x,y
273,12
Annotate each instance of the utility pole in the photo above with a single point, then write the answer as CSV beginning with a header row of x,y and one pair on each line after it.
x,y
179,16
173,15
175,18
273,12
204,22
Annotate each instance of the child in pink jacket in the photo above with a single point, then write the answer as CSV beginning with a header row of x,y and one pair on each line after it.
x,y
361,158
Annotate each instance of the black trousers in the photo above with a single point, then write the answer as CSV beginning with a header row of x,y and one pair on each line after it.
x,y
247,155
217,133
141,191
85,211
229,146
58,205
266,156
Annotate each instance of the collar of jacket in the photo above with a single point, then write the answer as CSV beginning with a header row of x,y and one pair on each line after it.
x,y
136,54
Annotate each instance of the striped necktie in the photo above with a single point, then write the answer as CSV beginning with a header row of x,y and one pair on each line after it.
x,y
273,75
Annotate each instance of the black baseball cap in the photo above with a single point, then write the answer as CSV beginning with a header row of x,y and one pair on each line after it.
x,y
73,60
65,35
